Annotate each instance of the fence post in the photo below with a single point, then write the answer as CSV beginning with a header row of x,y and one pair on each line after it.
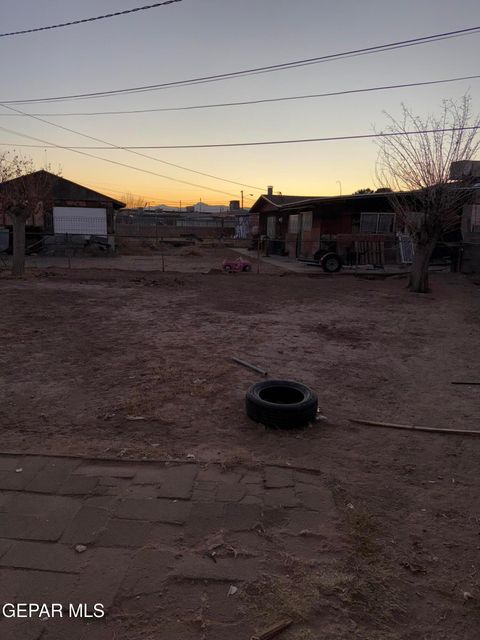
x,y
67,249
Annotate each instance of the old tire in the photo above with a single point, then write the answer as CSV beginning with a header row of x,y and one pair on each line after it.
x,y
281,404
331,263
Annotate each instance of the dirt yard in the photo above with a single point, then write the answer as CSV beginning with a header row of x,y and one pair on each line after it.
x,y
136,365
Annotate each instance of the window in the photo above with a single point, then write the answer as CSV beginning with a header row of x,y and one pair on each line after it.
x,y
377,222
475,218
293,223
307,221
272,227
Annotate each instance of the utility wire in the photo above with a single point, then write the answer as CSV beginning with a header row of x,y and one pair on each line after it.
x,y
145,197
74,22
46,144
257,143
257,70
126,192
143,155
247,102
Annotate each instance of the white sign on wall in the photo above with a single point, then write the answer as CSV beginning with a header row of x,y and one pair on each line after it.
x,y
80,220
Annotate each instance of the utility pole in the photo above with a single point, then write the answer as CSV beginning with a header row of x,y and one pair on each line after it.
x,y
242,197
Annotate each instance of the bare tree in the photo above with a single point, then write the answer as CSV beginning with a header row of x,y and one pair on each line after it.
x,y
23,192
133,201
418,165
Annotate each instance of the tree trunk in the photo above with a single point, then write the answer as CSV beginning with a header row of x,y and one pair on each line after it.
x,y
419,274
18,267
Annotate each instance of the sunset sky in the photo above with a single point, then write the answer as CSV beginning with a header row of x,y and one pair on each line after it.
x,y
196,38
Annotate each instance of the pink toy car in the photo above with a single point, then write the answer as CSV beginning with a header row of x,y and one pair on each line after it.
x,y
240,264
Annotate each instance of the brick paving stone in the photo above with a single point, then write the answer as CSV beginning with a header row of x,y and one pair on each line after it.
x,y
274,517
242,517
280,498
18,478
304,477
142,491
153,510
86,526
4,546
112,486
154,474
166,535
102,576
317,499
78,485
10,582
251,500
204,519
48,528
4,499
195,567
276,478
9,463
252,477
30,516
32,504
32,464
47,480
102,502
80,629
148,572
204,491
254,489
107,469
13,481
43,557
126,533
230,492
16,629
178,482
67,464
46,586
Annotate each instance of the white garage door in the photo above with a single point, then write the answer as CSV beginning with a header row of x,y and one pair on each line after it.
x,y
81,220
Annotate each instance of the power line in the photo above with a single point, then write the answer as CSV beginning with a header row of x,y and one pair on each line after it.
x,y
258,70
49,145
249,102
253,144
143,155
75,22
150,198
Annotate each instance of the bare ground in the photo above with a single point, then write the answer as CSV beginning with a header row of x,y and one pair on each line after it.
x,y
84,352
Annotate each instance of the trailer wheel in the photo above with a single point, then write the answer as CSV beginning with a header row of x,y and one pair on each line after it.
x,y
281,404
247,267
331,263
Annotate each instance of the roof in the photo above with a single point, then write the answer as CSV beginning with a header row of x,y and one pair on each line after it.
x,y
308,202
63,189
273,203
